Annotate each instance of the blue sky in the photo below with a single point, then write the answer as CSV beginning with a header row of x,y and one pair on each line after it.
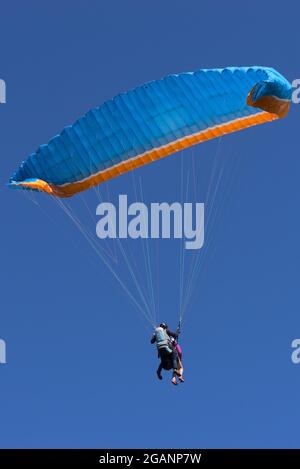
x,y
81,371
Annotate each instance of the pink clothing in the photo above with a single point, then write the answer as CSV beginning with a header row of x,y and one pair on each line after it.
x,y
179,351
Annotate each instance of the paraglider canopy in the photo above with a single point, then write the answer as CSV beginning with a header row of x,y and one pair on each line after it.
x,y
152,121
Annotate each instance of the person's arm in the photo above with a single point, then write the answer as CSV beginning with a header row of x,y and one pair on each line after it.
x,y
153,339
173,334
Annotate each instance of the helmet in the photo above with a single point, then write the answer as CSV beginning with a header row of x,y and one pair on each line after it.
x,y
163,325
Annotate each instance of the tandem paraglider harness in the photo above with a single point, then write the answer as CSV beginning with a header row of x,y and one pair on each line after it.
x,y
166,347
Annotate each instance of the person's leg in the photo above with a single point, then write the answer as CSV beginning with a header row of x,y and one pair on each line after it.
x,y
159,370
180,367
163,356
180,370
175,361
175,366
